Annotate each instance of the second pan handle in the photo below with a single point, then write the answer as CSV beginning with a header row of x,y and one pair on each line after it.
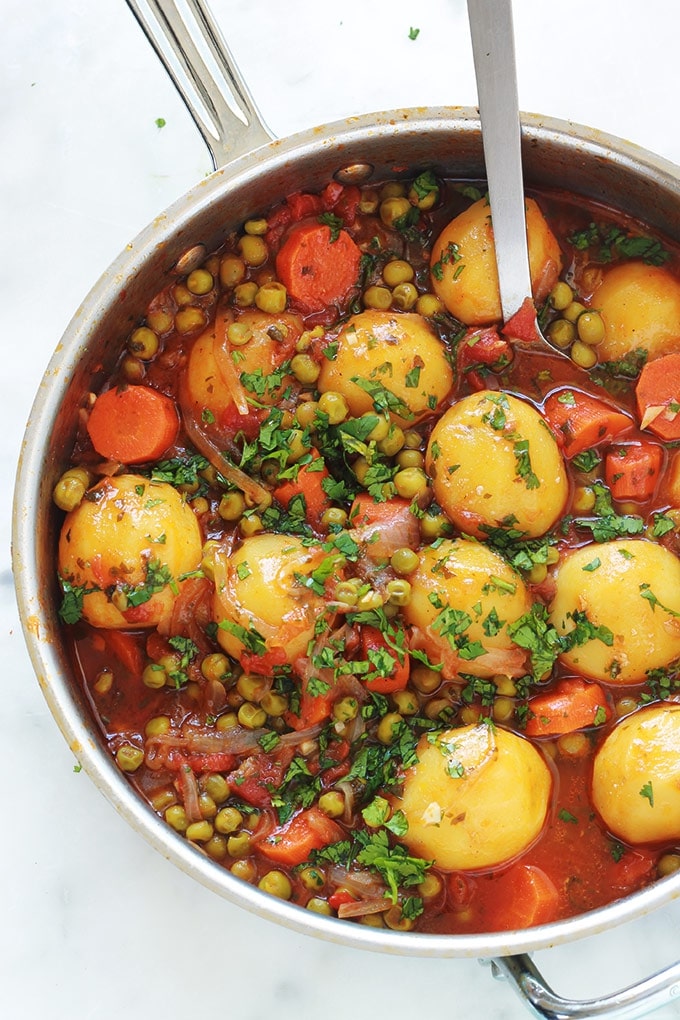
x,y
189,44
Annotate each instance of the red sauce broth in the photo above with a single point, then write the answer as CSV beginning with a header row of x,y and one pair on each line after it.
x,y
586,867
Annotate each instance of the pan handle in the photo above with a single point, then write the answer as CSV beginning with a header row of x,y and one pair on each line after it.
x,y
189,44
633,1001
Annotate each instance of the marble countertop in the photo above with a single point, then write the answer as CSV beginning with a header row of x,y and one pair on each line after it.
x,y
95,922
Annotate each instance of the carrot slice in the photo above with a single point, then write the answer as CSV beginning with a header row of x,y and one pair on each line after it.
x,y
658,397
309,830
581,421
523,896
133,425
572,704
632,470
316,269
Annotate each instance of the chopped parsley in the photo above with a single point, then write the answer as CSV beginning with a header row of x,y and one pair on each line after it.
x,y
609,243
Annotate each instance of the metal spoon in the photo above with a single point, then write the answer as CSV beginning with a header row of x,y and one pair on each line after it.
x,y
493,48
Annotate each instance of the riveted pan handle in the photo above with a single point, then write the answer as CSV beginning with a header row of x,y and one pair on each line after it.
x,y
189,44
634,1001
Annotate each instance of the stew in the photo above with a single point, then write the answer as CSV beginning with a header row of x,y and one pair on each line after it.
x,y
375,603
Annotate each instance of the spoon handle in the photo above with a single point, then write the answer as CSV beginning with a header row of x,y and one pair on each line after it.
x,y
493,48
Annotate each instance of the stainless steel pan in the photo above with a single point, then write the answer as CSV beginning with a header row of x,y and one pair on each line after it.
x,y
254,172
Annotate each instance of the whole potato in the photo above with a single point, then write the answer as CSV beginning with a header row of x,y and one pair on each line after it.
x,y
220,373
463,264
126,535
631,587
493,461
477,583
392,361
636,776
261,604
477,797
640,308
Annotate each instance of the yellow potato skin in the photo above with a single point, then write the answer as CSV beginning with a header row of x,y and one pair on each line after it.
x,y
642,753
397,351
266,596
122,524
471,577
645,636
640,308
205,388
477,798
473,464
467,281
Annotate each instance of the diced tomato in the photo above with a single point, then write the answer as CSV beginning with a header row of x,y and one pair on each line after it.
x,y
484,347
264,664
522,325
293,842
309,485
302,204
259,774
249,424
375,648
340,898
315,706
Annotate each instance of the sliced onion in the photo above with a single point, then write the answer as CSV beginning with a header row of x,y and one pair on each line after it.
x,y
360,883
248,486
299,736
508,661
236,740
359,908
187,785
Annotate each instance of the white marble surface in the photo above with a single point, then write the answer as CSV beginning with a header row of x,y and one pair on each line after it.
x,y
95,924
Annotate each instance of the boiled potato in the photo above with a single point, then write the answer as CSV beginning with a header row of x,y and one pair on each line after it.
x,y
636,776
632,588
257,589
472,580
640,307
221,373
400,362
127,536
493,460
463,263
477,797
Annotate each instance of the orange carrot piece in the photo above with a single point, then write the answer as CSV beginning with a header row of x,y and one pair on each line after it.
x,y
572,704
308,484
580,421
133,425
292,844
523,896
126,649
316,270
658,397
632,470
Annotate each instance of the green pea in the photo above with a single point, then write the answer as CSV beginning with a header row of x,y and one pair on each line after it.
x,y
276,883
404,561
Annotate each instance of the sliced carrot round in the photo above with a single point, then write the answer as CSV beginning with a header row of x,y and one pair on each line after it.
x,y
658,397
318,268
133,425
